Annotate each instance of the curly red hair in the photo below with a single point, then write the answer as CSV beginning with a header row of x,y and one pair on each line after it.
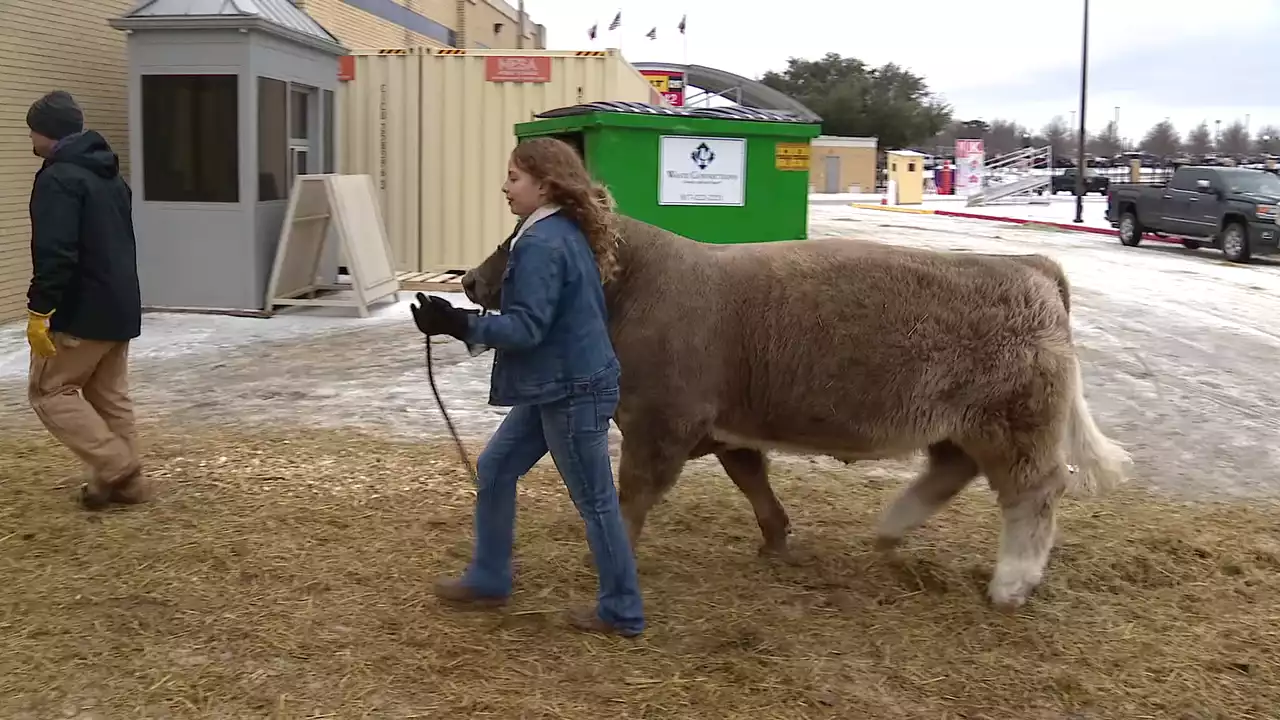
x,y
588,203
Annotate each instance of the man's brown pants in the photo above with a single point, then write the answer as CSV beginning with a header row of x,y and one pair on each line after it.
x,y
81,394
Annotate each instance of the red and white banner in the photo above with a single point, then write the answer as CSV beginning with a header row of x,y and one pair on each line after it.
x,y
670,85
970,158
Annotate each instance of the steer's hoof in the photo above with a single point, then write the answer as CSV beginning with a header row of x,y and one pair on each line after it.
x,y
885,543
1008,596
785,553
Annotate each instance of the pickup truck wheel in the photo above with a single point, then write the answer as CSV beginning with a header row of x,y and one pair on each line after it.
x,y
1235,243
1130,230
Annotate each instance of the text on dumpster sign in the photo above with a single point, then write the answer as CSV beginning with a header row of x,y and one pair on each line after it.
x,y
702,171
791,156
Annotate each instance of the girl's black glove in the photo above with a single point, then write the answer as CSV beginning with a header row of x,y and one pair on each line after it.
x,y
437,316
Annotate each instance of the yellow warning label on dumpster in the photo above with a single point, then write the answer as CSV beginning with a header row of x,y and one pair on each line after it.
x,y
791,156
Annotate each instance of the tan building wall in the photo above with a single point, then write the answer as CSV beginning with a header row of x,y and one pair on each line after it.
x,y
356,28
410,122
856,159
480,23
73,50
495,24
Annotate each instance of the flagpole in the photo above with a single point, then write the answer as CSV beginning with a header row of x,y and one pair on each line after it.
x,y
684,36
618,18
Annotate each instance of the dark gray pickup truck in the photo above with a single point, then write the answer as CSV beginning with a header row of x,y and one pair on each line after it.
x,y
1233,209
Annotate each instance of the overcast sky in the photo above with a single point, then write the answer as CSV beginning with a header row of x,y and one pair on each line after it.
x,y
1187,60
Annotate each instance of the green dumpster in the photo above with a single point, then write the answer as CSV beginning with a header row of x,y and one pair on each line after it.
x,y
717,175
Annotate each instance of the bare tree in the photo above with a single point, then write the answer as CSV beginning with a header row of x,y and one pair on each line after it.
x,y
944,143
1199,140
1234,139
1106,143
1162,140
1004,136
1057,136
1268,139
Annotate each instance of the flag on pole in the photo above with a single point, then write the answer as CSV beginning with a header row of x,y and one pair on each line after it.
x,y
652,34
592,32
682,20
617,21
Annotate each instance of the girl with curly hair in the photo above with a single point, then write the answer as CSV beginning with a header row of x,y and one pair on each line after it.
x,y
555,366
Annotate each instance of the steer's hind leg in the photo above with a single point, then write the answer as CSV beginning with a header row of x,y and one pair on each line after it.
x,y
949,470
749,470
1028,489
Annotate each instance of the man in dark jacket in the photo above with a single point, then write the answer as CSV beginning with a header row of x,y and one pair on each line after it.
x,y
84,304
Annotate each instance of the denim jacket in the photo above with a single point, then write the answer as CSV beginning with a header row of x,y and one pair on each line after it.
x,y
552,336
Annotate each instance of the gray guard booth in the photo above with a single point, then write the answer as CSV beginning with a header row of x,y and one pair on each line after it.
x,y
228,101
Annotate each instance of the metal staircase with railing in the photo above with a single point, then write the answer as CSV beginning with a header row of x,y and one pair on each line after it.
x,y
1014,177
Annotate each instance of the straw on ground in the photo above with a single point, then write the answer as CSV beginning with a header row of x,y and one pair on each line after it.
x,y
287,575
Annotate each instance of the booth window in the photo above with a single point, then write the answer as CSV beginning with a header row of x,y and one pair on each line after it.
x,y
273,146
301,102
190,139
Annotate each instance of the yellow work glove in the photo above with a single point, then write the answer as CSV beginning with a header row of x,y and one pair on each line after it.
x,y
38,334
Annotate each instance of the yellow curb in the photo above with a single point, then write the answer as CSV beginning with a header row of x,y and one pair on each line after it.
x,y
892,208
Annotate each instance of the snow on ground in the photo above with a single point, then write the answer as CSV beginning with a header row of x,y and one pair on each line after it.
x,y
1053,208
1049,208
1178,345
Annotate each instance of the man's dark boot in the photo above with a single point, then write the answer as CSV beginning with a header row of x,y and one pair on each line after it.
x,y
134,489
94,497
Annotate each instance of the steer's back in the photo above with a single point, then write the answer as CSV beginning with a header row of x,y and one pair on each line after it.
x,y
864,348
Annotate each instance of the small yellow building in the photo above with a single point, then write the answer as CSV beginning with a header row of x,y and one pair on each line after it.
x,y
842,164
906,177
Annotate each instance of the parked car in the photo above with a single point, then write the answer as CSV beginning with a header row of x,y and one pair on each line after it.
x,y
1233,209
1066,182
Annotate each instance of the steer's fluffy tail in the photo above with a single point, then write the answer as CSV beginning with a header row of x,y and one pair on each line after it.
x,y
1100,463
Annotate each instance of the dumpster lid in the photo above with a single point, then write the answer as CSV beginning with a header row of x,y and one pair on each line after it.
x,y
638,108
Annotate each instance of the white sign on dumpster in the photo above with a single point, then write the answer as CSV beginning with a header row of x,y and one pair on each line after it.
x,y
702,171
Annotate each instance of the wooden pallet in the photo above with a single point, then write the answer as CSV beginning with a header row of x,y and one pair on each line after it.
x,y
439,281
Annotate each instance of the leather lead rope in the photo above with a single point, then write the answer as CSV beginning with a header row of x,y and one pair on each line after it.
x,y
462,450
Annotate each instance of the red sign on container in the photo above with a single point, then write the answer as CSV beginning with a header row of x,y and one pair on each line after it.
x,y
517,68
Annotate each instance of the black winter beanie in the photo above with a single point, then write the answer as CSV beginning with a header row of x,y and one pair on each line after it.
x,y
55,115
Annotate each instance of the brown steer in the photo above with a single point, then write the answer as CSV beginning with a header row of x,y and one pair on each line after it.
x,y
856,350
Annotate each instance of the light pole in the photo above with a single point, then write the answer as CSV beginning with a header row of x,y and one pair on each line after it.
x,y
1115,129
520,30
1084,86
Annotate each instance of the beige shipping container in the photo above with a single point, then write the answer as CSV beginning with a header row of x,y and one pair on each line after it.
x,y
435,134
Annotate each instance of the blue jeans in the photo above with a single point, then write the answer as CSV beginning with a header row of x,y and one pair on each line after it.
x,y
576,431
